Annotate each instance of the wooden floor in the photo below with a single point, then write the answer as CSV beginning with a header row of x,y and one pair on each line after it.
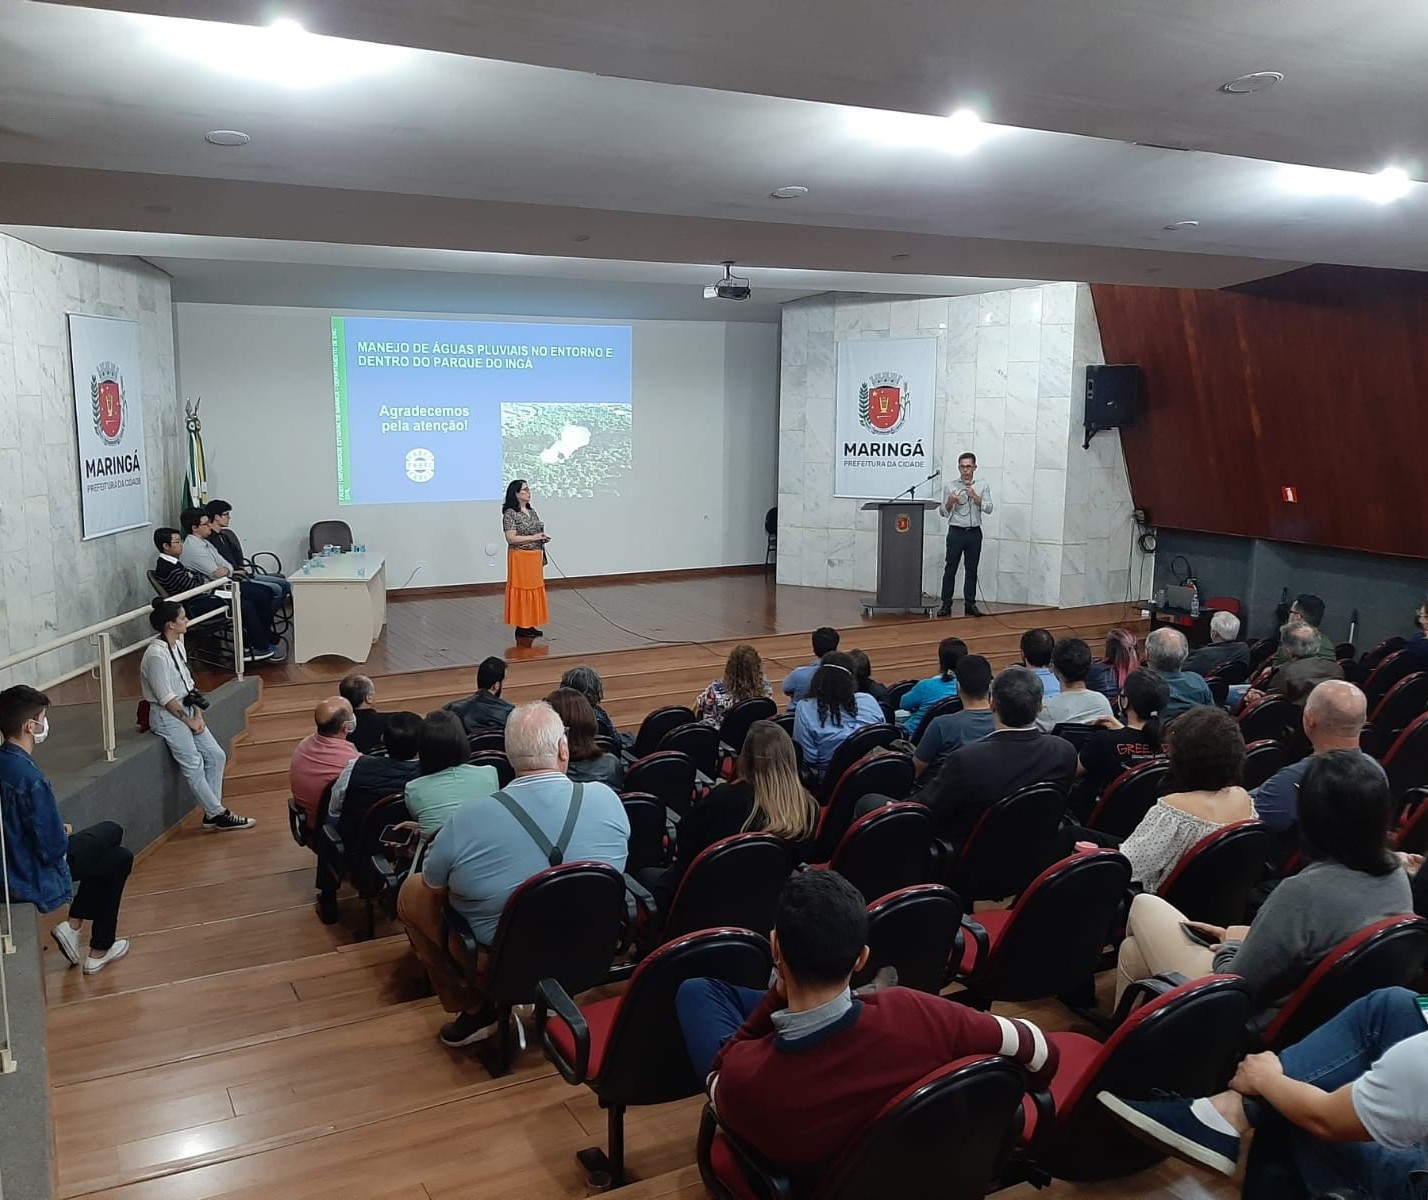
x,y
245,1049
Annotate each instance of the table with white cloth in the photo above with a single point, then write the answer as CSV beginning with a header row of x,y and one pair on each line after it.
x,y
339,605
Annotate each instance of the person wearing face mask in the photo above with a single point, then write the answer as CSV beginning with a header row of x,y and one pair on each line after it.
x,y
44,857
176,709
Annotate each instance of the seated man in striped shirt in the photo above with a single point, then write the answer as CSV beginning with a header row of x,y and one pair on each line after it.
x,y
174,578
809,1046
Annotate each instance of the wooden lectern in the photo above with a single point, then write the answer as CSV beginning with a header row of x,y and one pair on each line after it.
x,y
899,557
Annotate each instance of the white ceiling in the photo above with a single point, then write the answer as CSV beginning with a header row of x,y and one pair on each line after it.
x,y
653,130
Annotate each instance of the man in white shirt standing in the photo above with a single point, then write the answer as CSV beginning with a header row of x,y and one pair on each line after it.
x,y
964,505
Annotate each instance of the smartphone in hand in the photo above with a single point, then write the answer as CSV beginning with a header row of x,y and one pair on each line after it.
x,y
395,835
1198,936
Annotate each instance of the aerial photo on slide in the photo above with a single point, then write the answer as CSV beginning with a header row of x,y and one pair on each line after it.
x,y
568,450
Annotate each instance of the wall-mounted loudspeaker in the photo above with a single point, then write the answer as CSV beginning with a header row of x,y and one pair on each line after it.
x,y
1112,397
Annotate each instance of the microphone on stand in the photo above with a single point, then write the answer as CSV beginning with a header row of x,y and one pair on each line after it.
x,y
915,486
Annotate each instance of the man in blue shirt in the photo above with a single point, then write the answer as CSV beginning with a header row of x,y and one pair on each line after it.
x,y
483,853
948,733
44,857
795,683
1036,648
1333,720
1165,653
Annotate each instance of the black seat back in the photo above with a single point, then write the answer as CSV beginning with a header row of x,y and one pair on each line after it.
x,y
1407,759
329,533
699,741
647,817
1406,699
944,1138
657,724
486,739
1377,654
855,746
645,1061
890,775
1388,953
943,708
389,810
737,721
1147,1055
913,930
1128,797
1074,732
1235,671
505,772
1011,843
668,774
735,882
1058,928
1262,759
1213,879
1269,717
886,849
1398,665
539,938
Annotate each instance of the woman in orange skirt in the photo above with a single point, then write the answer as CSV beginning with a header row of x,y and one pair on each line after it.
x,y
525,561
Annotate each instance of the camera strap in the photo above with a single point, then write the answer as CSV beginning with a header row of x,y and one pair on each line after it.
x,y
181,666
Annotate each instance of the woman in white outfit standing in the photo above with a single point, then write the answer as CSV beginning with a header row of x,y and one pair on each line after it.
x,y
176,715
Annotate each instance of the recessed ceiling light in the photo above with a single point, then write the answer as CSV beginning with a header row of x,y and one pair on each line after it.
x,y
1255,81
227,137
1177,226
792,192
1388,185
282,53
959,133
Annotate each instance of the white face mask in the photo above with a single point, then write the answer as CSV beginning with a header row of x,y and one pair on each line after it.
x,y
351,725
44,729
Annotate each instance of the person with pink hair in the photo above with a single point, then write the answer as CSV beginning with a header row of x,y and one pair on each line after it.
x,y
1108,675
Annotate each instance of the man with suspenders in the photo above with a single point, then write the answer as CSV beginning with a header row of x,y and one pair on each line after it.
x,y
493,844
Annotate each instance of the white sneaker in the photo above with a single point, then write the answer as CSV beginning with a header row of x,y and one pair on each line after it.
x,y
67,938
117,951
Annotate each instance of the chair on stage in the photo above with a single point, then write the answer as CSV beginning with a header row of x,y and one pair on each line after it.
x,y
329,533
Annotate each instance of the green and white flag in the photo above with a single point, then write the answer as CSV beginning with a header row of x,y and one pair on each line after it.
x,y
195,482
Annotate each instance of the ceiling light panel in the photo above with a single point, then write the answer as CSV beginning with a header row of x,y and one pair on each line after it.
x,y
282,53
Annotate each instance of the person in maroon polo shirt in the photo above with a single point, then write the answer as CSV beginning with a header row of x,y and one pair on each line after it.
x,y
810,1046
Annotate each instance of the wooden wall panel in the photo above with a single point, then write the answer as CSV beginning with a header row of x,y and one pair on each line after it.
x,y
1320,385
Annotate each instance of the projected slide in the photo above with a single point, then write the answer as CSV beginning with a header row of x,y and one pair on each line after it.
x,y
452,410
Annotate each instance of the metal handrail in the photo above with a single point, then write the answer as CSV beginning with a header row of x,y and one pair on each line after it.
x,y
100,632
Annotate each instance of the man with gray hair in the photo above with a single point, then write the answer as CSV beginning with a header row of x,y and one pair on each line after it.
x,y
493,844
1333,719
1225,646
1304,666
1165,652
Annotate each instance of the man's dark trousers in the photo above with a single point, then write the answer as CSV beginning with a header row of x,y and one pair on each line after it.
x,y
962,541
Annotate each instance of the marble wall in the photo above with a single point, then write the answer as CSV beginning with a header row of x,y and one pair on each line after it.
x,y
52,581
1010,382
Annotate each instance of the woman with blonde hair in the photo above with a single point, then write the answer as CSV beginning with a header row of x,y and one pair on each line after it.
x,y
743,680
765,796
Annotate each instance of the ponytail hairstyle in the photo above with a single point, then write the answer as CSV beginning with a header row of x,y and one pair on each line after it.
x,y
162,610
950,651
1120,657
1146,692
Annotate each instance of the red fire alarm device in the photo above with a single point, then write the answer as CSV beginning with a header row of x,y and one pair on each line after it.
x,y
1291,495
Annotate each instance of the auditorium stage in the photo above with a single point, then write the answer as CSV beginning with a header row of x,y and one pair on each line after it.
x,y
448,630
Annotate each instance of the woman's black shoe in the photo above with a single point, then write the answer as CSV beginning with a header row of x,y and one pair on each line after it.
x,y
535,633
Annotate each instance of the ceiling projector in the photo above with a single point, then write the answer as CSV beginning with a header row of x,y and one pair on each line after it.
x,y
731,287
